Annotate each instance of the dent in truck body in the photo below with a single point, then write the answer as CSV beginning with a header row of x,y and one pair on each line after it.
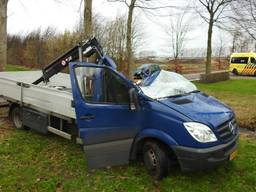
x,y
191,159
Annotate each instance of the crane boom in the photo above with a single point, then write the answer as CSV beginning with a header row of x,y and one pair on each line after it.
x,y
83,49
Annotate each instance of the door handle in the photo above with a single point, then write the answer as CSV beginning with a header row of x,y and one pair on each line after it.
x,y
87,117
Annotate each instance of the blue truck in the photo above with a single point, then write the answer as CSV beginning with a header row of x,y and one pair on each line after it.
x,y
163,122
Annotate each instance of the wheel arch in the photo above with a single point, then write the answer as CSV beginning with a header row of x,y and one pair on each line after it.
x,y
151,135
235,71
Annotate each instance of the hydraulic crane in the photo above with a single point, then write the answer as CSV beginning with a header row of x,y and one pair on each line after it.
x,y
84,49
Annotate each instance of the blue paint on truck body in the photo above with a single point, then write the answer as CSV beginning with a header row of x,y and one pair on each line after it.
x,y
160,119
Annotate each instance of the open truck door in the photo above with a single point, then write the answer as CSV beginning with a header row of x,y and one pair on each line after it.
x,y
106,117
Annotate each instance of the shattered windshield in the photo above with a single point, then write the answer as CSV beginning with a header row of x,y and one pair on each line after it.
x,y
167,84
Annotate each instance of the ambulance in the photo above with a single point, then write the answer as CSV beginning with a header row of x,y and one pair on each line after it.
x,y
243,63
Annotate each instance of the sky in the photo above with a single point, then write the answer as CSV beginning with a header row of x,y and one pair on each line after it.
x,y
28,15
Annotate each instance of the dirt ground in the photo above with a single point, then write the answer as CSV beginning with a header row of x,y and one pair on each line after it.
x,y
5,128
247,133
5,125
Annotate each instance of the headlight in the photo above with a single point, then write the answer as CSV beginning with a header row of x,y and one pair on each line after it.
x,y
200,132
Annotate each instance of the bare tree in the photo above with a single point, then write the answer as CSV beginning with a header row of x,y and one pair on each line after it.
x,y
112,36
88,19
219,50
214,11
245,16
132,4
177,32
115,32
3,34
235,35
242,42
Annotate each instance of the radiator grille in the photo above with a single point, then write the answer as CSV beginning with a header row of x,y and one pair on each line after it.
x,y
228,130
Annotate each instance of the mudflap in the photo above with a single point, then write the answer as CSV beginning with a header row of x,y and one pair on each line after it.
x,y
112,153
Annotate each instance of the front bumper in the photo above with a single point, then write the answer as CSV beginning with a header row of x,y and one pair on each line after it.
x,y
191,159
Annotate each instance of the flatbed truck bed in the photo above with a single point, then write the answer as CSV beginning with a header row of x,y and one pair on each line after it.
x,y
53,100
43,100
54,97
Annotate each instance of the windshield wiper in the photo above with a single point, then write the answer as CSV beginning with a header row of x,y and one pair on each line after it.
x,y
173,96
179,95
195,91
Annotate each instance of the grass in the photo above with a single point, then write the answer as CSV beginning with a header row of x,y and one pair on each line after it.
x,y
16,68
240,94
234,86
32,162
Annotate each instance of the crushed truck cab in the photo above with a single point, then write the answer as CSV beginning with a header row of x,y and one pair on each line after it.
x,y
163,121
116,117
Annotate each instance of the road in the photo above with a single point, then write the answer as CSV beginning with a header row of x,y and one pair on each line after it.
x,y
241,77
196,76
193,77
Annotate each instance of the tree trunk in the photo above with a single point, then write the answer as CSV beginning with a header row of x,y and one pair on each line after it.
x,y
209,47
233,43
88,19
3,34
129,39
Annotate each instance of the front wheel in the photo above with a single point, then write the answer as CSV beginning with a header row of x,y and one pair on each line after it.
x,y
156,159
16,117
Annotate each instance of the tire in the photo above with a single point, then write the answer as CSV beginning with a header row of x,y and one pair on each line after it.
x,y
235,72
16,117
156,160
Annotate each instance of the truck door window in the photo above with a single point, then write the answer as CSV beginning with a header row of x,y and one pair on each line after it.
x,y
101,85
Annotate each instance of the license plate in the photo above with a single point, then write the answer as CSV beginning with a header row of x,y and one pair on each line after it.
x,y
233,155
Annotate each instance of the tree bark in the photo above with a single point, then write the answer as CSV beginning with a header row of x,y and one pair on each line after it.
x,y
88,19
3,34
209,47
129,39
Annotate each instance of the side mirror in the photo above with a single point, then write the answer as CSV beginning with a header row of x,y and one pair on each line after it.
x,y
134,100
